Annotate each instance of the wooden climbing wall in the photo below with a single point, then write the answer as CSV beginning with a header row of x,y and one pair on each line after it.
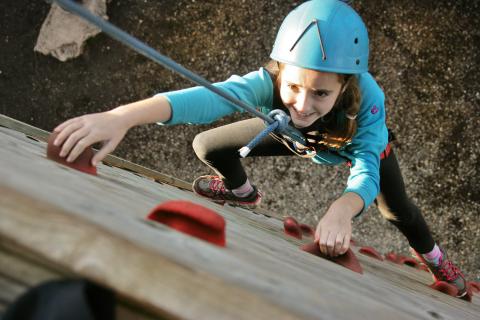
x,y
67,223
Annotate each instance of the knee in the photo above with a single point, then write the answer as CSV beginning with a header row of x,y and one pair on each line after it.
x,y
207,147
200,146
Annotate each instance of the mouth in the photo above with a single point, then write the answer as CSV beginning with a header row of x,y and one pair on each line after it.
x,y
305,115
302,120
301,115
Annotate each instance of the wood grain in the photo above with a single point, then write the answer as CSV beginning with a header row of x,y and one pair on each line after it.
x,y
94,227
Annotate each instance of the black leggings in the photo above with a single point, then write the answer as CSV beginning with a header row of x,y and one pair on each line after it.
x,y
218,148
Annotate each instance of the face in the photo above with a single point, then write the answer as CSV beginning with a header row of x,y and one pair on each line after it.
x,y
308,94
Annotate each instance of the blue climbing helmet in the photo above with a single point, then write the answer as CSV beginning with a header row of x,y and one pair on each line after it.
x,y
323,35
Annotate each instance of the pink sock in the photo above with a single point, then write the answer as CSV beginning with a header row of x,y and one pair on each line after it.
x,y
434,256
244,190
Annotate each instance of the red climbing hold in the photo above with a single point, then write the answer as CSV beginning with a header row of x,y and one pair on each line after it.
x,y
445,288
192,219
82,163
400,259
307,230
292,228
475,286
347,260
392,257
407,261
371,252
451,290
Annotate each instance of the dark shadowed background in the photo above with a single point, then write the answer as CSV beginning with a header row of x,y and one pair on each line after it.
x,y
423,53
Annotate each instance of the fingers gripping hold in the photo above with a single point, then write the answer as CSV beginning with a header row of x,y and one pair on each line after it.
x,y
81,163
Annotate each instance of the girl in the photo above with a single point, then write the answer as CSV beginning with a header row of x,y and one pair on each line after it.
x,y
319,76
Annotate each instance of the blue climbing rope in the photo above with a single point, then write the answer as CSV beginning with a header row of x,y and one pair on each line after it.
x,y
149,52
279,125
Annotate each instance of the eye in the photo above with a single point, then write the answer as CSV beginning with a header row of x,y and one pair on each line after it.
x,y
321,93
292,87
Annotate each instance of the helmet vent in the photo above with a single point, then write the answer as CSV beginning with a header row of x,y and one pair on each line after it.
x,y
355,41
313,22
357,61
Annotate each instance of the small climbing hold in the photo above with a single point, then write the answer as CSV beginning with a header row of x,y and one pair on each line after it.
x,y
407,261
307,230
475,286
347,260
192,219
292,228
445,287
392,257
371,252
401,259
82,163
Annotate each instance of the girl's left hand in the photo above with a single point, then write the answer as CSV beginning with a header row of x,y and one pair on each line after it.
x,y
334,232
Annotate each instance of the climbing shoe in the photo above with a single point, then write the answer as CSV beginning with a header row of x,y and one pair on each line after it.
x,y
213,187
445,271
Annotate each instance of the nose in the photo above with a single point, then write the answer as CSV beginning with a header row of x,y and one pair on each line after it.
x,y
303,103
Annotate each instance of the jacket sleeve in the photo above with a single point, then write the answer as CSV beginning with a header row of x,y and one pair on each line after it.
x,y
199,105
367,144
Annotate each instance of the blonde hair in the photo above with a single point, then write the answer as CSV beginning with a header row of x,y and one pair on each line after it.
x,y
340,124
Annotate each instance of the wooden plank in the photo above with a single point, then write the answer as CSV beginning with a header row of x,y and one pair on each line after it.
x,y
9,290
20,273
26,268
127,311
149,173
259,258
75,199
111,160
153,281
27,129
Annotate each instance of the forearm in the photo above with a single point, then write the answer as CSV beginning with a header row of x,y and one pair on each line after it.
x,y
349,203
150,110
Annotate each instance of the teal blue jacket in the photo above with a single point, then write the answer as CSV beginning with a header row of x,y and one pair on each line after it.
x,y
200,106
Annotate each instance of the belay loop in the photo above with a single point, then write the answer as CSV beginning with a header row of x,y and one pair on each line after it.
x,y
279,126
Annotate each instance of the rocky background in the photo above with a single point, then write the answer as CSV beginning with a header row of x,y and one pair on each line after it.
x,y
423,53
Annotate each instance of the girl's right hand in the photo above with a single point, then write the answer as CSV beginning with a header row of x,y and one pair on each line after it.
x,y
76,134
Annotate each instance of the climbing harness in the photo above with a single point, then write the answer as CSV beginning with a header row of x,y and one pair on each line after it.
x,y
278,124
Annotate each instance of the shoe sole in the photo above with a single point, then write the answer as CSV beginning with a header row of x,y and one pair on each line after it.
x,y
230,203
